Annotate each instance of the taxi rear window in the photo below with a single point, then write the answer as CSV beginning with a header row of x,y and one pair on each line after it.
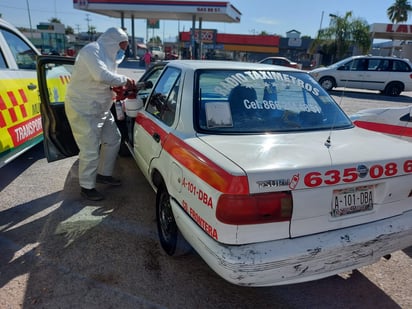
x,y
263,101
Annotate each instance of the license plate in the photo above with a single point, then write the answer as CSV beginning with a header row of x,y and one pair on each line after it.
x,y
352,200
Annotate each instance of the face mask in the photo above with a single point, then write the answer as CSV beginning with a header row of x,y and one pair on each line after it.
x,y
119,56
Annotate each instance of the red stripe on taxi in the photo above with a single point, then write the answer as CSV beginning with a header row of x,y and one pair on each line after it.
x,y
384,128
196,162
151,127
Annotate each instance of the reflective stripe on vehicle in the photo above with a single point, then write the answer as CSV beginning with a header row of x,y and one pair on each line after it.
x,y
18,99
384,128
198,164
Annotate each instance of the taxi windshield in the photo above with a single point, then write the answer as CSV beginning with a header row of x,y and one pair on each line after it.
x,y
235,101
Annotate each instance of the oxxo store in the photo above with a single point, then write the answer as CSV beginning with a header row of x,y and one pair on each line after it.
x,y
209,44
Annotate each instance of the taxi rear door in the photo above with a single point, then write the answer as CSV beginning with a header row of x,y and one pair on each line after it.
x,y
53,73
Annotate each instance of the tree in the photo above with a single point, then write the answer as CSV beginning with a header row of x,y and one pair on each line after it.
x,y
23,29
55,20
343,33
339,30
69,30
361,36
398,12
155,40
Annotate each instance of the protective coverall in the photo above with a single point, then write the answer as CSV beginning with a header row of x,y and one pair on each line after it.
x,y
88,101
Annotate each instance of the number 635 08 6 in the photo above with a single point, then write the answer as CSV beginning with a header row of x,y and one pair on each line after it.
x,y
348,175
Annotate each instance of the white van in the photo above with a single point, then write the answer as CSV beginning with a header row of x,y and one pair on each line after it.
x,y
390,75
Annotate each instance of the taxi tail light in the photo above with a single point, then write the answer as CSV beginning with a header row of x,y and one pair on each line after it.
x,y
255,208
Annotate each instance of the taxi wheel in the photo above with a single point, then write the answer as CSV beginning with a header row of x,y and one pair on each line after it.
x,y
171,240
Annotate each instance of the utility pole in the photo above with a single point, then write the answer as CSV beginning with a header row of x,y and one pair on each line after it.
x,y
88,19
28,11
321,21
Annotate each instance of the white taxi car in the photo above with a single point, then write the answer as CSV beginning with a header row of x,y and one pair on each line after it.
x,y
20,123
394,121
260,171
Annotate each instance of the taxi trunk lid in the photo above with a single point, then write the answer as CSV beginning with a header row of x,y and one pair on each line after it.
x,y
338,179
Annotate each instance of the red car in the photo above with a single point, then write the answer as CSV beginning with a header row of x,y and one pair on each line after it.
x,y
279,61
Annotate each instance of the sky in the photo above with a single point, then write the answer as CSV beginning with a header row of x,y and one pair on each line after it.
x,y
271,16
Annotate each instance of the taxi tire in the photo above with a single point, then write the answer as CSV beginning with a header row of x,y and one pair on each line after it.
x,y
171,239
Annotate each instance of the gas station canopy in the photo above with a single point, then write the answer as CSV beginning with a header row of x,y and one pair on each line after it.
x,y
162,9
391,31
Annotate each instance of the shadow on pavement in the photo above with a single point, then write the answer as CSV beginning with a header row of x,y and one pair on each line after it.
x,y
408,251
11,170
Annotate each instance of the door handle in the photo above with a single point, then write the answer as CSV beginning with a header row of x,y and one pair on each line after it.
x,y
156,137
31,86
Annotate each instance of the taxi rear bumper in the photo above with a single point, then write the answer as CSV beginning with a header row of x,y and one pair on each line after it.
x,y
300,259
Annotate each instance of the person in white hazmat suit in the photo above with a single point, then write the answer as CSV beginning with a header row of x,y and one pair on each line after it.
x,y
88,101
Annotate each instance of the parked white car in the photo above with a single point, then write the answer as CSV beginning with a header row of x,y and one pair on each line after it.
x,y
389,75
260,171
157,53
280,61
